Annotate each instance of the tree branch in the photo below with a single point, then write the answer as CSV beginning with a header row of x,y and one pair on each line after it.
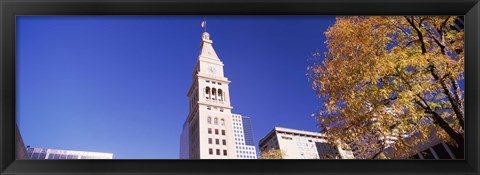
x,y
457,92
442,47
438,120
419,33
446,90
378,153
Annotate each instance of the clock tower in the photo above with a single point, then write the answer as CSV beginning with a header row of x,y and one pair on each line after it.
x,y
208,130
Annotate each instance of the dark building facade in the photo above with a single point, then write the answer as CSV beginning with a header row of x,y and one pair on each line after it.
x,y
248,131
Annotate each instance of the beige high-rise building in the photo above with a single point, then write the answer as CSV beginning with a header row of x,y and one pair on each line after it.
x,y
208,132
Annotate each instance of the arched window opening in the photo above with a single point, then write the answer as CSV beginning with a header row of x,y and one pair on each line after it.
x,y
215,121
207,92
214,94
220,95
209,120
222,122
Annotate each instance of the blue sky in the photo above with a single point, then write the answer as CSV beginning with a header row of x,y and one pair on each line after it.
x,y
118,84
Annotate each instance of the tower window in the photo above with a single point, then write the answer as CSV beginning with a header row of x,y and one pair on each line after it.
x,y
209,140
220,95
209,120
224,142
218,151
210,151
224,152
207,92
222,121
215,121
223,132
216,131
214,94
217,141
209,130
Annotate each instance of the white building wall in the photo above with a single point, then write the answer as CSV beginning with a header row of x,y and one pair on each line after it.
x,y
297,144
44,153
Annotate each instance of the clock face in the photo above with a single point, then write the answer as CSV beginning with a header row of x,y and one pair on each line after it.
x,y
212,70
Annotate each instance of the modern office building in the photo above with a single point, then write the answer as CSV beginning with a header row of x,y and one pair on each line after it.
x,y
298,144
440,150
20,150
434,148
243,135
45,153
210,130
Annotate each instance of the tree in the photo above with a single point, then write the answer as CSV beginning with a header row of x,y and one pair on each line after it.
x,y
272,154
391,77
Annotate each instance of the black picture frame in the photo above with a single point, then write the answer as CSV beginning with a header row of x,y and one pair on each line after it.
x,y
11,8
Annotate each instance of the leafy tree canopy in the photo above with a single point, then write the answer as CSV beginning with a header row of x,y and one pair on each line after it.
x,y
272,154
391,78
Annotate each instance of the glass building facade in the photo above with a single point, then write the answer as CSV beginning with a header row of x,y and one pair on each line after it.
x,y
327,151
247,130
45,153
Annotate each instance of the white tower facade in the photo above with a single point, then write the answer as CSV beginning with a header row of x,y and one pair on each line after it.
x,y
207,132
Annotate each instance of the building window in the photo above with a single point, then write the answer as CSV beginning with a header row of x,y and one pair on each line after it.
x,y
210,151
223,132
222,121
218,151
209,140
214,94
415,157
209,120
216,131
456,151
217,141
441,152
224,142
209,108
207,92
220,95
215,121
209,130
427,154
224,152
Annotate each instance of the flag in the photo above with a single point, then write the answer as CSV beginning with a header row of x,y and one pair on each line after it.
x,y
204,24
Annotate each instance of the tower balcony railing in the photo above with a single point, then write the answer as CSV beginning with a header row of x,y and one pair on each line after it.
x,y
215,101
